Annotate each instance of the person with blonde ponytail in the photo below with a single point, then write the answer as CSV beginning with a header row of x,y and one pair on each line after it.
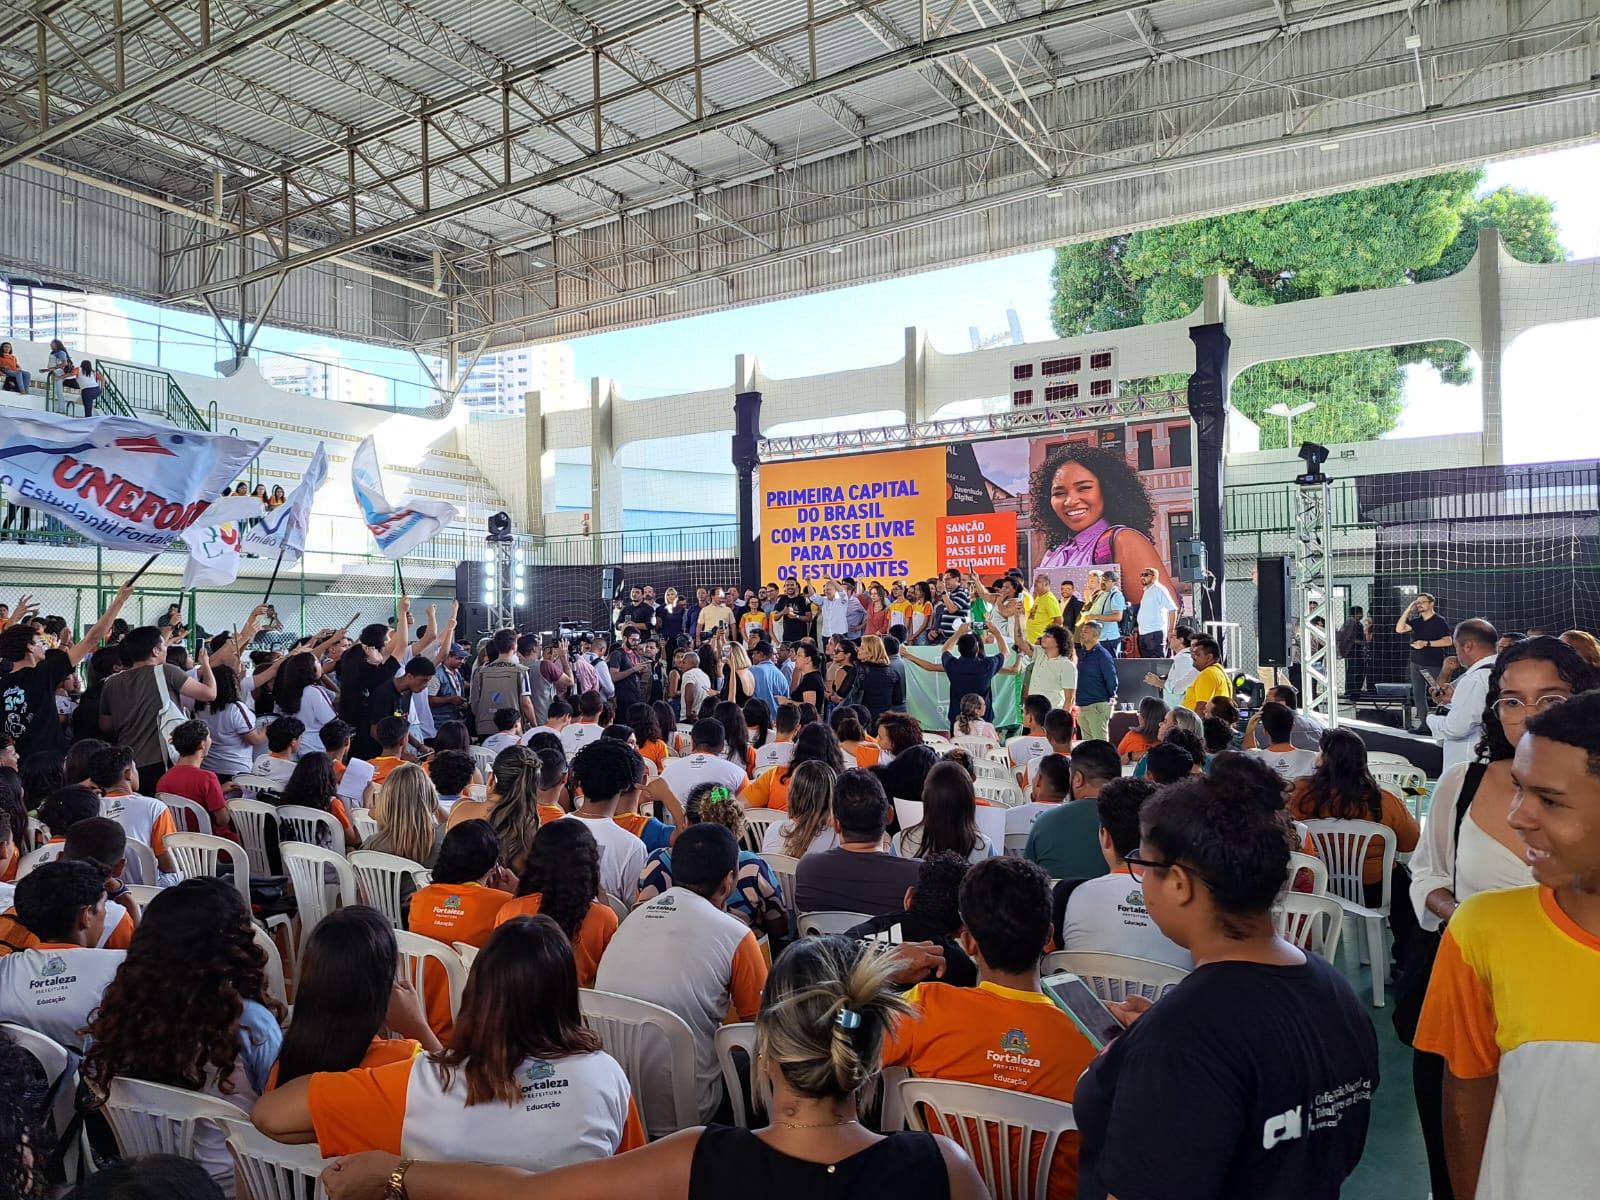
x,y
825,1014
512,807
809,829
410,821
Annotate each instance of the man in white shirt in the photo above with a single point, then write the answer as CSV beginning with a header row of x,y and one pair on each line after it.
x,y
1458,730
586,728
1107,914
704,762
833,611
781,749
283,750
1182,672
1281,754
1158,616
602,771
685,953
1031,743
56,982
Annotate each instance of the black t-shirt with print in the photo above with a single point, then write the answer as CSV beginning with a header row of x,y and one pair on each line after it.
x,y
811,682
791,617
1244,1080
28,705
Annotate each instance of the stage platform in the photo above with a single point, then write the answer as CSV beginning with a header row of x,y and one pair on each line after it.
x,y
1423,752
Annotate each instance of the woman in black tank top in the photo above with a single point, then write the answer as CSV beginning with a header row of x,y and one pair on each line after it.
x,y
825,1011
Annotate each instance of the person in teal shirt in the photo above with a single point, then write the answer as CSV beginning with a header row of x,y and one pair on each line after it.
x,y
1066,840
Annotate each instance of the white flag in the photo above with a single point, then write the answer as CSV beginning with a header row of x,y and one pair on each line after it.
x,y
214,548
118,481
285,527
397,530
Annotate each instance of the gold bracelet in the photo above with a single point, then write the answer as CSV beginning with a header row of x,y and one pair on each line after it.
x,y
395,1189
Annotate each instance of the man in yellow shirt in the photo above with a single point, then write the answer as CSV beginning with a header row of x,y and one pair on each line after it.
x,y
1046,610
1212,681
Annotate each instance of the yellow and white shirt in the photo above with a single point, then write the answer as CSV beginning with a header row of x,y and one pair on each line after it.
x,y
1516,993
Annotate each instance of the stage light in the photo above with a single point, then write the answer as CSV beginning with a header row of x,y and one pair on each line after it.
x,y
522,598
518,556
499,527
1313,455
488,595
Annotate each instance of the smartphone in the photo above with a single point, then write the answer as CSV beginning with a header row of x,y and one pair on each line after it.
x,y
1428,675
1075,998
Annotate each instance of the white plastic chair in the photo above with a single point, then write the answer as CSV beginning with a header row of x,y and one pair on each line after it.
x,y
991,822
61,1084
1311,922
1002,792
366,825
619,906
380,880
996,1127
273,1171
188,816
143,893
750,1099
989,771
468,953
938,741
756,821
1342,845
415,950
1115,977
1319,872
978,747
299,823
152,1118
908,813
46,853
142,859
482,759
307,867
255,786
783,869
635,1032
277,984
38,835
829,921
199,854
250,820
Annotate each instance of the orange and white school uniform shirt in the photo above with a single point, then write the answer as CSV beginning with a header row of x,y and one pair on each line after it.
x,y
54,988
599,926
143,819
573,1109
380,1053
451,912
998,1037
1515,993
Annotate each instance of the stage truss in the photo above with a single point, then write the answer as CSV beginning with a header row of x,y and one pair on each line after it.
x,y
1313,535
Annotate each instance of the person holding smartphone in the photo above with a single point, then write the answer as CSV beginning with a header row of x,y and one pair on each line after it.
x,y
1254,1076
1431,639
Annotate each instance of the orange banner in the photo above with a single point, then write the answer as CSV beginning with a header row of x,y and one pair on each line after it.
x,y
982,542
868,516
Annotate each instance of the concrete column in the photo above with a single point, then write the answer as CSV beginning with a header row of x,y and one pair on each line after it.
x,y
605,477
916,368
1491,344
537,471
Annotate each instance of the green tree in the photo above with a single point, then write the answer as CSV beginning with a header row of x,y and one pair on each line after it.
x,y
1378,237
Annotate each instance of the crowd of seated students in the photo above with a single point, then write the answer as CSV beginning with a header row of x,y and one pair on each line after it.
x,y
1181,864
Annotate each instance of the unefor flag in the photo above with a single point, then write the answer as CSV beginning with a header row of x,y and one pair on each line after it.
x,y
118,481
398,529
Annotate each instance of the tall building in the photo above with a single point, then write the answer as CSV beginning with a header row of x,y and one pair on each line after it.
x,y
500,382
88,325
322,376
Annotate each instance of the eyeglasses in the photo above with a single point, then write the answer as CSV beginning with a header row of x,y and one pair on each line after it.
x,y
1138,866
1511,706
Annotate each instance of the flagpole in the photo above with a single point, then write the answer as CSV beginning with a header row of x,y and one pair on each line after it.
x,y
271,583
143,569
400,580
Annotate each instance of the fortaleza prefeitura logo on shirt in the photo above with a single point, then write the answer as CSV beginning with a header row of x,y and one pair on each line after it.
x,y
1015,1051
452,902
539,1076
1133,904
51,974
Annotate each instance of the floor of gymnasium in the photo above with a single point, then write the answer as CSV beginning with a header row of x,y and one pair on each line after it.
x,y
1394,1166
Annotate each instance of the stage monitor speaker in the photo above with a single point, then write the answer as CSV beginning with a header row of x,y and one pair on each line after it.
x,y
467,586
1273,618
1191,561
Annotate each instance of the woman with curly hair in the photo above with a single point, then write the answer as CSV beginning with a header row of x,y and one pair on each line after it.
x,y
522,1083
814,743
299,694
646,726
1094,511
189,1008
561,880
757,899
352,1007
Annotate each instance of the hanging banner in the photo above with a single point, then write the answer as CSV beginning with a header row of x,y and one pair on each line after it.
x,y
118,481
397,530
285,527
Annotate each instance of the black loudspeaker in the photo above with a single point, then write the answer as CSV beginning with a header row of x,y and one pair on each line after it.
x,y
472,622
1273,619
467,586
1191,560
611,583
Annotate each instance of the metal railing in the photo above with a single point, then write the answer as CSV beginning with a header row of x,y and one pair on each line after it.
x,y
147,390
